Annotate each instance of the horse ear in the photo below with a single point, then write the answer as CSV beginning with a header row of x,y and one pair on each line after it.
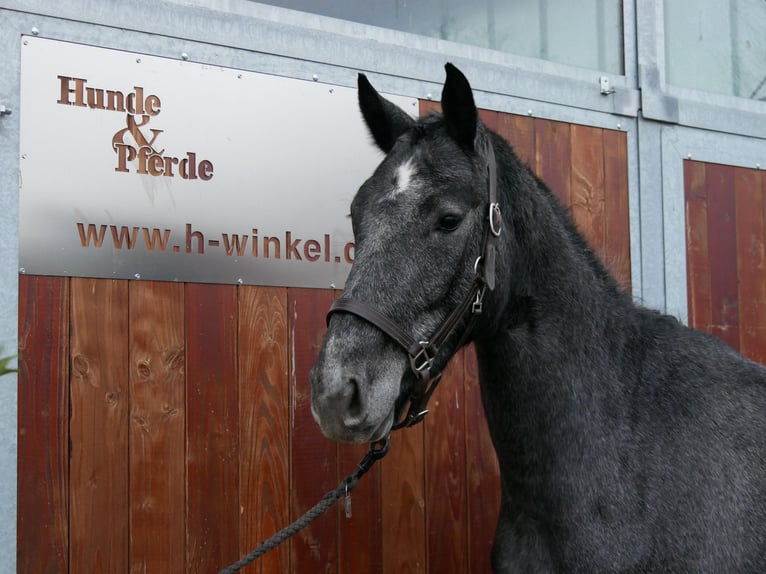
x,y
385,121
459,109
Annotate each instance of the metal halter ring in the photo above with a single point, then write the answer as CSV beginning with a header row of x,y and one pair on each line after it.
x,y
476,264
495,219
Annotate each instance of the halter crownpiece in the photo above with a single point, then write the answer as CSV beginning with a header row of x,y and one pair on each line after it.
x,y
422,353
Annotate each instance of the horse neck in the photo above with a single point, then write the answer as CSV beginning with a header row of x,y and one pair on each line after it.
x,y
545,265
544,363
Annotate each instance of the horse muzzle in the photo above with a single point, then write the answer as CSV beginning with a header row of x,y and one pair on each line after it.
x,y
346,410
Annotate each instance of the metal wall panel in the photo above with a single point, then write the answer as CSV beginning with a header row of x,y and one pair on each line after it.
x,y
140,167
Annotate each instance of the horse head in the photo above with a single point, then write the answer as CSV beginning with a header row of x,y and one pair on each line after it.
x,y
420,226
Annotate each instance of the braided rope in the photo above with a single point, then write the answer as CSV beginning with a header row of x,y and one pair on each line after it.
x,y
377,451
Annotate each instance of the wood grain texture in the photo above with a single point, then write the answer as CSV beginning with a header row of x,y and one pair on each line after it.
x,y
482,471
157,428
697,259
587,185
445,467
616,255
43,426
191,424
426,107
212,415
314,458
519,131
553,157
489,118
722,250
404,518
99,511
264,415
725,244
751,262
359,537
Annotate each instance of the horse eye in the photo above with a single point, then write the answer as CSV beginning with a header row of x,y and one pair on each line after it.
x,y
449,222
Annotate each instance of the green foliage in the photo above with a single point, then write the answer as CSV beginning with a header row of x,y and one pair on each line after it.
x,y
4,368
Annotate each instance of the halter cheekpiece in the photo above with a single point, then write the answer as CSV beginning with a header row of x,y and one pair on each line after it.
x,y
423,352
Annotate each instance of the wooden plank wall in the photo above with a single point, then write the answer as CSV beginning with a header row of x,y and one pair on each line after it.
x,y
725,260
165,428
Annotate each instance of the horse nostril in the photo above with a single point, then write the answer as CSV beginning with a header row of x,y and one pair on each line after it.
x,y
354,402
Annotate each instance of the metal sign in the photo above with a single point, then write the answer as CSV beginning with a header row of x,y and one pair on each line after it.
x,y
135,166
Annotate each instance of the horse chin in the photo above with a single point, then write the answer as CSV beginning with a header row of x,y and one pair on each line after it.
x,y
357,434
383,430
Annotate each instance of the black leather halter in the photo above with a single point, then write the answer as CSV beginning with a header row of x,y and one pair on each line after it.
x,y
423,352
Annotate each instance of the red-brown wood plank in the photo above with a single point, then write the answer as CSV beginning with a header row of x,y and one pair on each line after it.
x,y
404,518
722,250
314,458
264,413
519,131
426,107
553,157
762,325
751,262
360,536
445,460
489,118
587,185
99,510
157,428
616,209
43,426
212,450
482,471
697,259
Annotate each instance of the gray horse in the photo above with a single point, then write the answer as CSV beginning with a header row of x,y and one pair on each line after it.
x,y
627,442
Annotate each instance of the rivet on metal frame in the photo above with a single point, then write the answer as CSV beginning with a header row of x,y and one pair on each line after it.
x,y
606,89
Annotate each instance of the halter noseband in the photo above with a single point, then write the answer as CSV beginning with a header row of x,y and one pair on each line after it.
x,y
423,352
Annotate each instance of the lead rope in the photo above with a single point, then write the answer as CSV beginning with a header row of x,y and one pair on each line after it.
x,y
378,450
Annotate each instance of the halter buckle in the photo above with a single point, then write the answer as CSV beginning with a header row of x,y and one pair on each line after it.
x,y
478,303
421,360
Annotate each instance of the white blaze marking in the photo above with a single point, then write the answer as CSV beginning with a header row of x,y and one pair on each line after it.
x,y
404,176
